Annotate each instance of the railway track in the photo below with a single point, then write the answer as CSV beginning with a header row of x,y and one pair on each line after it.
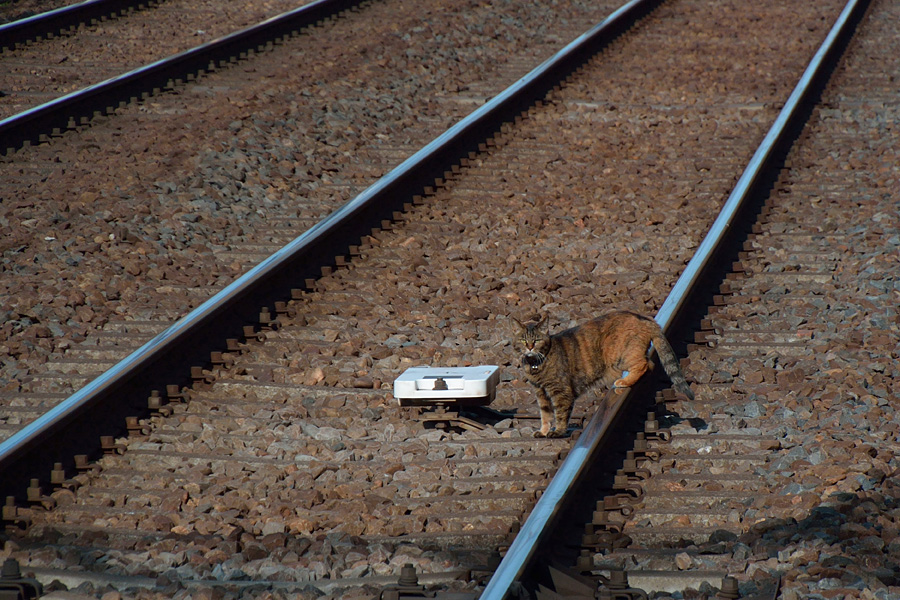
x,y
209,214
36,107
333,347
63,51
746,480
19,11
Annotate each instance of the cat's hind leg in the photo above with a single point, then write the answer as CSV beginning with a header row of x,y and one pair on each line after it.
x,y
634,365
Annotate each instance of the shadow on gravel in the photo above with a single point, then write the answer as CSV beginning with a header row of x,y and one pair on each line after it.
x,y
670,419
847,545
849,542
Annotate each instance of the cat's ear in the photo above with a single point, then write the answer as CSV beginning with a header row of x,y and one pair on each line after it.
x,y
544,322
518,323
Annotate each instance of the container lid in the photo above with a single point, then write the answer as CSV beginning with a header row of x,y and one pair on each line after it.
x,y
430,383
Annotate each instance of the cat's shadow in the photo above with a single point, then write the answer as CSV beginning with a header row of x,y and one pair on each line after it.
x,y
669,419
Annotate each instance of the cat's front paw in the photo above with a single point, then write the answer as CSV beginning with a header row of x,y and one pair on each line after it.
x,y
540,434
556,433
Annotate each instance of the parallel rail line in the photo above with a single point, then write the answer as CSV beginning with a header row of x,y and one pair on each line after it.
x,y
99,408
61,19
78,108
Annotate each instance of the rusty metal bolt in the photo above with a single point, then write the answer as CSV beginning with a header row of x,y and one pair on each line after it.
x,y
265,317
618,580
58,474
10,511
10,569
617,587
252,335
22,587
729,589
585,561
201,376
173,393
640,443
651,425
109,446
155,401
408,576
601,517
589,538
34,491
133,426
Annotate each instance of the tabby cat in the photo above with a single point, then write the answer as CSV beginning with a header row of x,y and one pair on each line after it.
x,y
611,349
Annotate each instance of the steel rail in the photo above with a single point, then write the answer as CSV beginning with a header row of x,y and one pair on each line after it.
x,y
102,98
767,158
101,406
55,21
771,150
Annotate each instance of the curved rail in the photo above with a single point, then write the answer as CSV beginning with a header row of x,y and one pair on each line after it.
x,y
102,98
701,269
100,408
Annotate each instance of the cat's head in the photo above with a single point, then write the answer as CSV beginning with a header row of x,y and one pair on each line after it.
x,y
532,339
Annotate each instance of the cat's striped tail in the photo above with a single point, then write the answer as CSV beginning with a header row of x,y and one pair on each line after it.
x,y
670,365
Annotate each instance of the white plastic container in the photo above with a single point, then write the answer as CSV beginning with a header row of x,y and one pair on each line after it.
x,y
463,385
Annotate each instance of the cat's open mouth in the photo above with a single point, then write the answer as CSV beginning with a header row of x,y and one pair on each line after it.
x,y
532,362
